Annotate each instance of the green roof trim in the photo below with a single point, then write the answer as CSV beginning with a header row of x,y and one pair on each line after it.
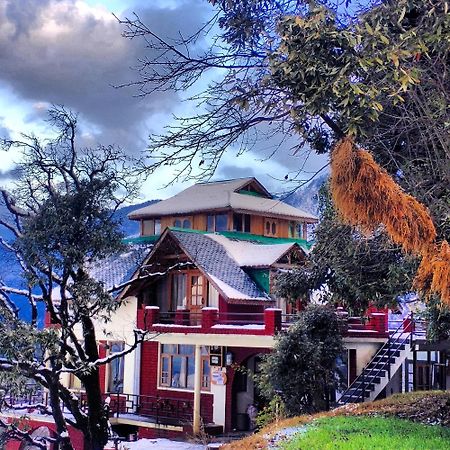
x,y
141,239
240,236
251,193
265,240
261,278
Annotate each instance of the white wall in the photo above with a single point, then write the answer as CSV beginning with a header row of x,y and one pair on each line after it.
x,y
120,328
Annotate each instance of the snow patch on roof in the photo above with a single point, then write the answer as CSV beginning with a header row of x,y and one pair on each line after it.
x,y
231,292
249,254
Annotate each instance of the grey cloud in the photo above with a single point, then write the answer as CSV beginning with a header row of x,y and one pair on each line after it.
x,y
59,53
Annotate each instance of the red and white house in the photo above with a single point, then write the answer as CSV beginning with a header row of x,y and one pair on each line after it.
x,y
202,272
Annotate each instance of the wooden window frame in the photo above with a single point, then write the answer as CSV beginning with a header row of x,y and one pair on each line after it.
x,y
214,221
273,223
189,274
166,383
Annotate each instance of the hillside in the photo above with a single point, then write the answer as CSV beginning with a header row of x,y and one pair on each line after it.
x,y
10,273
306,198
422,408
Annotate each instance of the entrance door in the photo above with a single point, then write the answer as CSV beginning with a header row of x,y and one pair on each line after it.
x,y
197,298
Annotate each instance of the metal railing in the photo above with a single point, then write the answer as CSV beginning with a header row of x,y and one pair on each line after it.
x,y
160,409
402,335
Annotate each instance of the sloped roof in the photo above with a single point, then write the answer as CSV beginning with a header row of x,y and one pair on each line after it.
x,y
249,254
118,269
221,195
212,258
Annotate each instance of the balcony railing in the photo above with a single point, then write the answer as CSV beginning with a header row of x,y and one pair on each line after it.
x,y
160,410
269,322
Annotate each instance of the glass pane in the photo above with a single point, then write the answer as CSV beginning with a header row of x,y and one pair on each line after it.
x,y
177,223
116,369
186,223
169,349
204,349
178,290
157,226
147,227
205,373
186,350
267,227
165,375
274,228
237,222
177,363
247,223
191,372
221,222
210,223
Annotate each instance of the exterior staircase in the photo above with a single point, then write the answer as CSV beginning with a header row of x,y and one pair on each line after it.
x,y
377,374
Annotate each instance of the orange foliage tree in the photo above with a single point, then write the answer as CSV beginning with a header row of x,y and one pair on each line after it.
x,y
366,196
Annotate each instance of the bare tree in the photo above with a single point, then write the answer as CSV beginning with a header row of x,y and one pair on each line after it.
x,y
60,214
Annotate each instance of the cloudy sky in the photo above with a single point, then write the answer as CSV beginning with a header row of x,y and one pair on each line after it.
x,y
71,52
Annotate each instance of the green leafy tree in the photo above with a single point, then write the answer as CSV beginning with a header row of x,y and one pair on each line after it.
x,y
61,216
301,369
349,268
313,71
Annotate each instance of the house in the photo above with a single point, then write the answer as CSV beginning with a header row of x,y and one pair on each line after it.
x,y
200,278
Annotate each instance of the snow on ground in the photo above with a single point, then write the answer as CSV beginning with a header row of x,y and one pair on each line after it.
x,y
157,444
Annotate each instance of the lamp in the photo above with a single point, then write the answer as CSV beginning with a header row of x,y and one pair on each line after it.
x,y
229,359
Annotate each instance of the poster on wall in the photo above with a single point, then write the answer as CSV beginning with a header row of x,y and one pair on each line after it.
x,y
219,375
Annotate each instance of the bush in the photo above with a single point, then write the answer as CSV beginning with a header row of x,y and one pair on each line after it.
x,y
302,367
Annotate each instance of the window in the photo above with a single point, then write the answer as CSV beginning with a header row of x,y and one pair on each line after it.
x,y
116,369
157,226
178,287
151,227
217,222
177,366
182,222
241,222
294,229
196,290
270,227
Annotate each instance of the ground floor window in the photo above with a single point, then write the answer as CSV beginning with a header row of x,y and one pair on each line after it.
x,y
116,368
177,366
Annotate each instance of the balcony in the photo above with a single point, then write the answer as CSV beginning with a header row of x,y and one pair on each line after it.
x,y
267,323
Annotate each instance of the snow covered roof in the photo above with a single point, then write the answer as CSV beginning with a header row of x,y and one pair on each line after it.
x,y
118,269
249,254
212,258
223,195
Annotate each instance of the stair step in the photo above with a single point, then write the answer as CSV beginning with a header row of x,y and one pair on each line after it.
x,y
392,353
383,359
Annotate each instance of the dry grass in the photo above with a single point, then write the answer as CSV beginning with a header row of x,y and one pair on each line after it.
x,y
428,407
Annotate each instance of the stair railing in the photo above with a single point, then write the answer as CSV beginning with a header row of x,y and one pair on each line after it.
x,y
361,378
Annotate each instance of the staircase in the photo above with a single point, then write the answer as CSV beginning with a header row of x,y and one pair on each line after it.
x,y
377,374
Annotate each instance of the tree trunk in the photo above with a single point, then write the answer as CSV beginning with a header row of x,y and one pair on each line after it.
x,y
58,416
97,415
